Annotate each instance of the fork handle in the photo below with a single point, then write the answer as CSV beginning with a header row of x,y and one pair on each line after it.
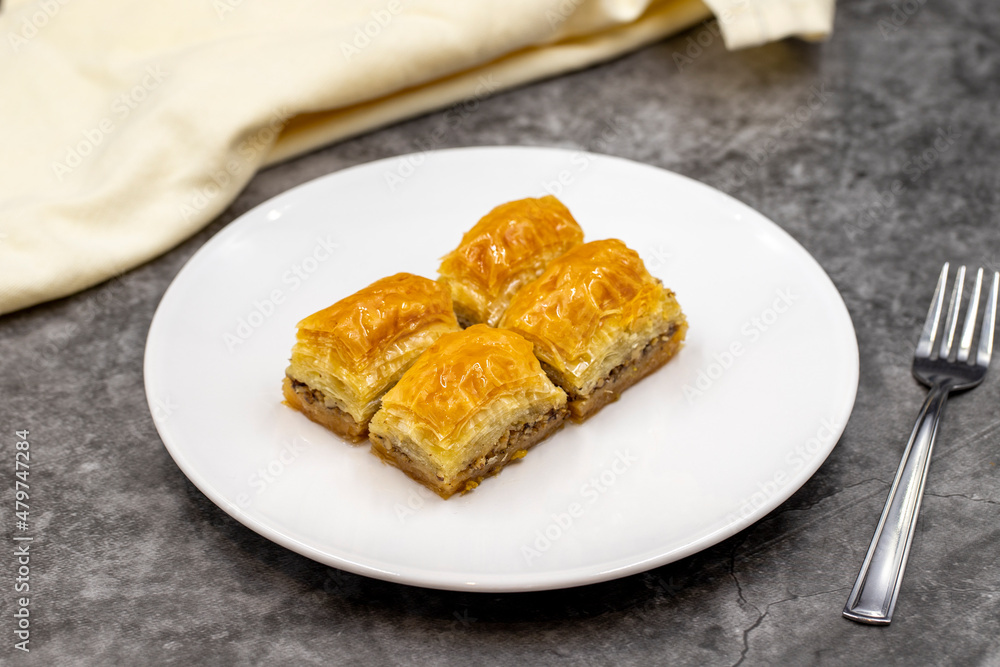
x,y
873,597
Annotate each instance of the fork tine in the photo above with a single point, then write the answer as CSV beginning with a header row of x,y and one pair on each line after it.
x,y
927,336
969,328
986,336
951,321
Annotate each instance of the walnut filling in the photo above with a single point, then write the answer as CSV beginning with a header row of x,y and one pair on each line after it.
x,y
655,354
516,437
511,446
308,394
637,357
313,404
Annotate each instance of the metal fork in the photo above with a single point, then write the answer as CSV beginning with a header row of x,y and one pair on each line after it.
x,y
873,597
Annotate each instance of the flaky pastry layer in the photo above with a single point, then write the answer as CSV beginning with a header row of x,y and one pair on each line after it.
x,y
359,347
460,397
313,404
642,362
511,446
592,309
509,247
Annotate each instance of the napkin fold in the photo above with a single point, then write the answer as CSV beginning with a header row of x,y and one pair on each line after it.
x,y
127,127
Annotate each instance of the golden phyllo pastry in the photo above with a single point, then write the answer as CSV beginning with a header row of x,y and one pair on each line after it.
x,y
348,355
474,401
507,249
599,322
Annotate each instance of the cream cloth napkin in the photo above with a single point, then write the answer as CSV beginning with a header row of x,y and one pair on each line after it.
x,y
126,127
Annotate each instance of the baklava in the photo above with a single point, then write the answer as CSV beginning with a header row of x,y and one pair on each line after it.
x,y
348,355
508,248
599,323
474,401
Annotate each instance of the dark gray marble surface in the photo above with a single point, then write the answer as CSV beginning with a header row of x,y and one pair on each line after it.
x,y
133,565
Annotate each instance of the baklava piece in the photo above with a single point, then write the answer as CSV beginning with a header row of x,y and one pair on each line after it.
x,y
476,400
599,323
348,355
507,249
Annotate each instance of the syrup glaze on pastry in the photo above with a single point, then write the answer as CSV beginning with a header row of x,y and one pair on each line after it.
x,y
509,247
475,400
348,355
593,315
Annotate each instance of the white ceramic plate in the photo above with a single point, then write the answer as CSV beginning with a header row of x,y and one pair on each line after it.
x,y
723,434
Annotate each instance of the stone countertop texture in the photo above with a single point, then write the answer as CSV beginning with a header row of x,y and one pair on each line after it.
x,y
879,151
